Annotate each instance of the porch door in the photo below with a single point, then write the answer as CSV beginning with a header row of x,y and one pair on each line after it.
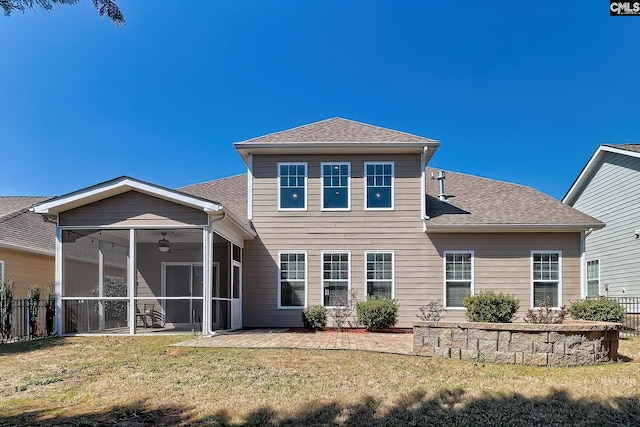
x,y
236,292
183,281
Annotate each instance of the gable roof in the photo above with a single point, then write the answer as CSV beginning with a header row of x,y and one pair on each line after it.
x,y
21,229
481,204
117,186
231,192
336,135
631,150
124,184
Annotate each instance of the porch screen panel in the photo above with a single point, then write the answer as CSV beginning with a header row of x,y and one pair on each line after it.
x,y
80,263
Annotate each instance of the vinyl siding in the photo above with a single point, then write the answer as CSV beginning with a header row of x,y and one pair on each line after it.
x,y
132,209
613,196
26,269
502,261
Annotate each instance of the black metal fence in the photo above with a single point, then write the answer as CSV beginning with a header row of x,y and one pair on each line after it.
x,y
25,321
631,321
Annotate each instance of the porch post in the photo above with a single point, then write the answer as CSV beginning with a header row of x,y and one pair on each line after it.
x,y
131,280
58,278
100,286
207,262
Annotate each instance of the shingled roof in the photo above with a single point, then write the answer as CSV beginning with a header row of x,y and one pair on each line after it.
x,y
338,129
231,192
21,229
473,201
629,147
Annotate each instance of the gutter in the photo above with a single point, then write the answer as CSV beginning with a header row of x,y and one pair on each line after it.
x,y
503,228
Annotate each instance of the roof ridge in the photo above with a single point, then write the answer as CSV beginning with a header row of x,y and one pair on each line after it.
x,y
384,128
287,130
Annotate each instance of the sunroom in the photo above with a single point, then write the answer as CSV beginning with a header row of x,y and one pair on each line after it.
x,y
133,257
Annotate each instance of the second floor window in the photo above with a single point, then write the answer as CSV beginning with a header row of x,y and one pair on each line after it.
x,y
292,179
379,180
335,186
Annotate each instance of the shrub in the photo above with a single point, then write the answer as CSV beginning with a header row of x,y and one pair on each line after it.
x,y
342,311
50,309
377,313
600,309
431,312
33,296
314,317
487,306
6,309
546,314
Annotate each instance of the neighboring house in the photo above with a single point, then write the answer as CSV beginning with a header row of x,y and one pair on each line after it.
x,y
27,245
608,188
325,209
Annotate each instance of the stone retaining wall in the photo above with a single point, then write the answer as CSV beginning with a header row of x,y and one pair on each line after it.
x,y
568,344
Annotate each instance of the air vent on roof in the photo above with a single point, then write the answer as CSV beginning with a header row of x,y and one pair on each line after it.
x,y
440,178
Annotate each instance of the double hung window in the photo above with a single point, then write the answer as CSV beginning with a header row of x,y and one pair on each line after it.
x,y
293,280
458,271
292,178
379,272
546,278
335,278
335,186
379,185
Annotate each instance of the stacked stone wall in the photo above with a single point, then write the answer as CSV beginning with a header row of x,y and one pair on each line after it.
x,y
572,344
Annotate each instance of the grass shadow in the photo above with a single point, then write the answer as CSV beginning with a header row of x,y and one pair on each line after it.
x,y
27,346
449,407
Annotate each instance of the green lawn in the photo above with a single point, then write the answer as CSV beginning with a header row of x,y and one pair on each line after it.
x,y
142,381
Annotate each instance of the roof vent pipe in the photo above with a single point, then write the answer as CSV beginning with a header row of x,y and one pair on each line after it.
x,y
440,178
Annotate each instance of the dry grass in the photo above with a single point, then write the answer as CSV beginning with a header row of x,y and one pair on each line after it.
x,y
141,381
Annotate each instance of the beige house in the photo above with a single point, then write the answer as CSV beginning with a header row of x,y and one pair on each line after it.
x,y
324,209
27,245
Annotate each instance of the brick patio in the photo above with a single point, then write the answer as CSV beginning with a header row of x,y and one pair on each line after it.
x,y
400,343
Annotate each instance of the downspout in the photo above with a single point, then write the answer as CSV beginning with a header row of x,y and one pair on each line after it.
x,y
423,189
583,262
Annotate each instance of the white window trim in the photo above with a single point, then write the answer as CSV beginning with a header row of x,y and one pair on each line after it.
x,y
322,164
337,251
306,186
1,272
586,291
559,252
393,186
393,271
306,280
444,275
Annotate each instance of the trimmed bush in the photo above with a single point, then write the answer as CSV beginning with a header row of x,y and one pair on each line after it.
x,y
314,317
377,313
600,310
487,306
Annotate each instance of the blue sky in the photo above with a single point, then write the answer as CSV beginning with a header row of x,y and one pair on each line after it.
x,y
520,92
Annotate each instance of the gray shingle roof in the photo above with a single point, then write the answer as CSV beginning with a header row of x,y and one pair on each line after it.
x,y
473,200
19,227
231,192
338,130
629,147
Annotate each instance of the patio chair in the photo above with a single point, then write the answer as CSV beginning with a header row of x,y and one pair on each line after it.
x,y
146,313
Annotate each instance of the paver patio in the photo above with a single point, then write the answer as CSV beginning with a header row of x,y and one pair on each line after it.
x,y
399,343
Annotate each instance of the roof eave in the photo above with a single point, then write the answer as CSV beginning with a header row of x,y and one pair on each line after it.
x,y
29,249
593,163
118,186
246,228
246,148
510,228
